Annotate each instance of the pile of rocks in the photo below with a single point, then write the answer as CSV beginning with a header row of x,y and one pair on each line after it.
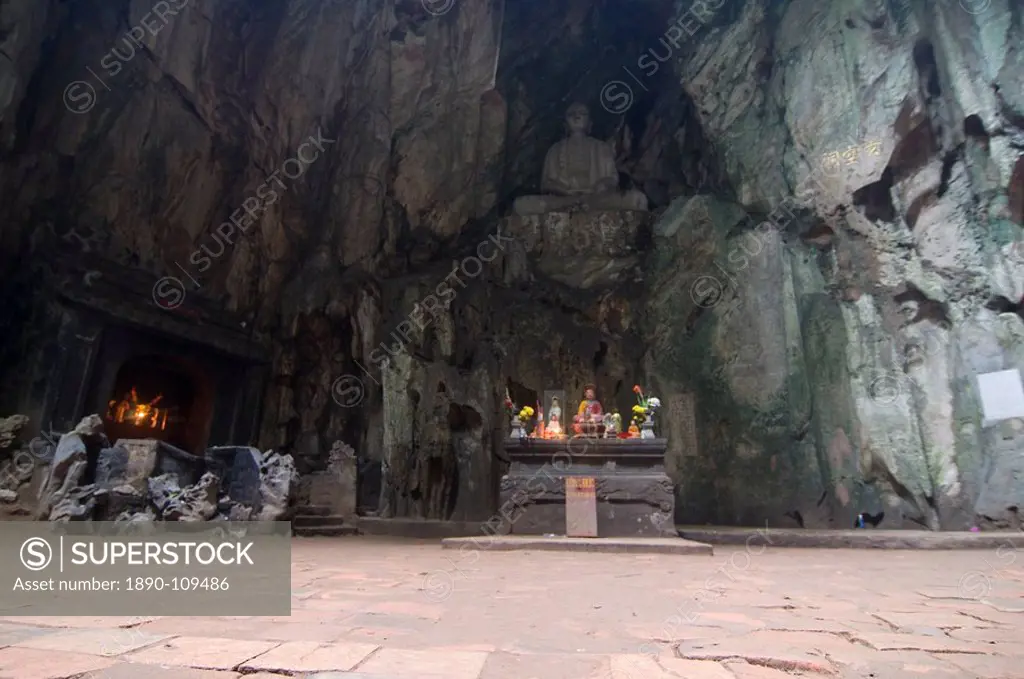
x,y
19,461
149,480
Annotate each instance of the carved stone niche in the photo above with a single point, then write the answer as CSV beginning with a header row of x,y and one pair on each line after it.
x,y
103,334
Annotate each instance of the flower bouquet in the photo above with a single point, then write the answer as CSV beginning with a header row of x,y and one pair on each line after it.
x,y
510,407
643,412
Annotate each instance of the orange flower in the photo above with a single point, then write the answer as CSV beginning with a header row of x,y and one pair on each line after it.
x,y
636,388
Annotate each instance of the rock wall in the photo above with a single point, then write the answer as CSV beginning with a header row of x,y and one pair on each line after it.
x,y
845,322
812,368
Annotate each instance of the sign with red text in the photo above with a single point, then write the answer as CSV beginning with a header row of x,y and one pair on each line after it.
x,y
580,507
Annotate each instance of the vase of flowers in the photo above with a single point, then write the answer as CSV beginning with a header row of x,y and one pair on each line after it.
x,y
525,416
643,412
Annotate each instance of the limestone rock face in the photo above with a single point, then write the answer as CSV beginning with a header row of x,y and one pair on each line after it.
x,y
583,250
833,252
845,352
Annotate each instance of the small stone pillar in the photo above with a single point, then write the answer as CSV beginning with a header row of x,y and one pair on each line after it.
x,y
335,488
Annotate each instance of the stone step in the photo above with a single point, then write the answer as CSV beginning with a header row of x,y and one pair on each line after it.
x,y
307,520
312,510
421,529
324,530
871,538
560,543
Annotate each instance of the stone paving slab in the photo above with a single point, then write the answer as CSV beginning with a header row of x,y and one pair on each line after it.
x,y
12,634
510,543
856,539
105,642
30,663
203,653
134,671
373,607
432,664
309,656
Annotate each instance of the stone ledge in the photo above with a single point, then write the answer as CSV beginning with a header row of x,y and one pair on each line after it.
x,y
418,528
852,539
510,543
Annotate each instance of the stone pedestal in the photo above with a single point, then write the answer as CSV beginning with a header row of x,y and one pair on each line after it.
x,y
635,497
335,488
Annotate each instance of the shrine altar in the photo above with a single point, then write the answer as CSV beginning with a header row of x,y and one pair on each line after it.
x,y
634,495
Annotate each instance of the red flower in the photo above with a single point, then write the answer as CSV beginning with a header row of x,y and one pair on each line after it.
x,y
636,388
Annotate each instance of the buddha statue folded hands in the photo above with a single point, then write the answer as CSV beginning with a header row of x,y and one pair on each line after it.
x,y
580,172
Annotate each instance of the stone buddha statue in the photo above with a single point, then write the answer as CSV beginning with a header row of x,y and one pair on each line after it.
x,y
580,172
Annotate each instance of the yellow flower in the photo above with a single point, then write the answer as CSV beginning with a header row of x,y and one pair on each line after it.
x,y
638,409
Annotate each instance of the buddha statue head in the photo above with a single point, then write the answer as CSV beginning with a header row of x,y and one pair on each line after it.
x,y
577,120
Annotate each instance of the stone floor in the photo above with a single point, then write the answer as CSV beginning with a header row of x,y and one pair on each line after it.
x,y
381,608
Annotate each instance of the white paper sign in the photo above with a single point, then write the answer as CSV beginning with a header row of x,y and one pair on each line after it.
x,y
1002,395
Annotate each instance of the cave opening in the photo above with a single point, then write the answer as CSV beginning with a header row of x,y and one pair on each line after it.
x,y
522,395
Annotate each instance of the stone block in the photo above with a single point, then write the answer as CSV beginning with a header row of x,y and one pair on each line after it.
x,y
187,467
335,488
144,458
112,465
239,470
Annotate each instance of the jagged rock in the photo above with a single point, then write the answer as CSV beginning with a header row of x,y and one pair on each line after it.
x,y
340,452
235,512
240,513
123,499
17,470
90,428
277,474
111,466
239,470
77,504
43,449
10,428
197,502
70,461
134,517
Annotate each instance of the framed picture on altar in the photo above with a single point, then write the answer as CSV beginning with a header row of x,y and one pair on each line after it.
x,y
555,412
